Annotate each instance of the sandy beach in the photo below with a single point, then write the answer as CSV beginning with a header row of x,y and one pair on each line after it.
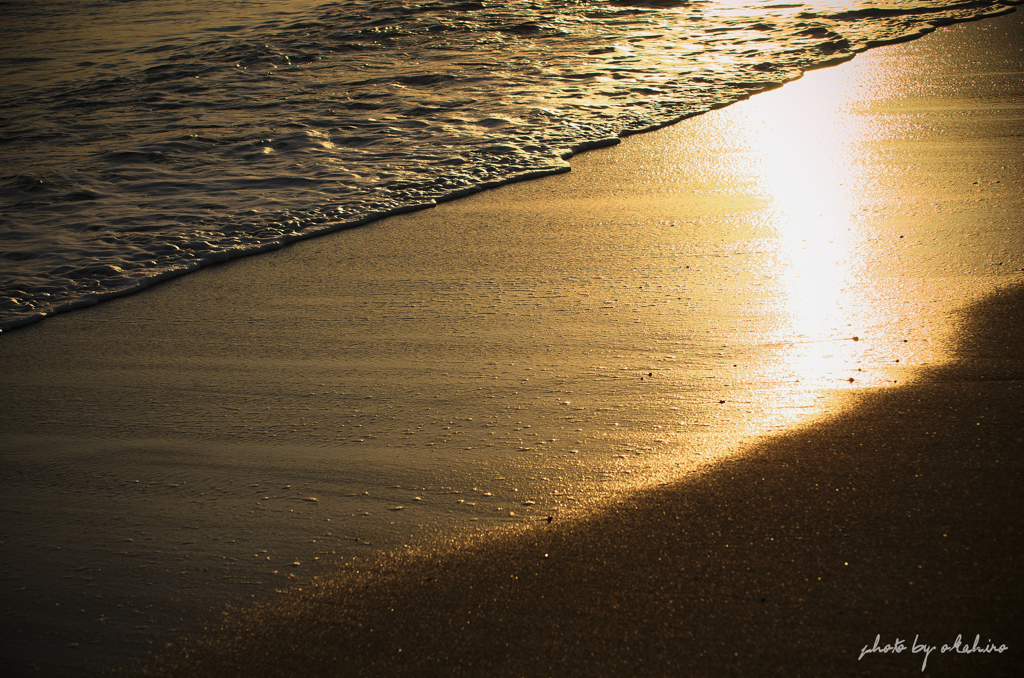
x,y
896,521
730,398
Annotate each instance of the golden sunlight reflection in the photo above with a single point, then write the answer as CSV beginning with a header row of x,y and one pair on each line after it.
x,y
812,181
797,234
810,152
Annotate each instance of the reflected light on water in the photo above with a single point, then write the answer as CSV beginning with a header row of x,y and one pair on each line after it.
x,y
810,149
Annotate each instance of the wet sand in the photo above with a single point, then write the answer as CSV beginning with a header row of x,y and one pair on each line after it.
x,y
643,324
899,518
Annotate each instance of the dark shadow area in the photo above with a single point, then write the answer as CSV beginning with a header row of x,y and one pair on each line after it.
x,y
900,518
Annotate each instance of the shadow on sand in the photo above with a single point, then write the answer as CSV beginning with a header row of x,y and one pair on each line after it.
x,y
899,517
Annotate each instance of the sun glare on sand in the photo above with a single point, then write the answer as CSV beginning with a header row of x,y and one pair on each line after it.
x,y
811,150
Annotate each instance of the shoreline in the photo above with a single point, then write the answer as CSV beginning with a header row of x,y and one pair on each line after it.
x,y
791,559
222,256
640,321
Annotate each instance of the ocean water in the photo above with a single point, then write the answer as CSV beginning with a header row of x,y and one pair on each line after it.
x,y
143,140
